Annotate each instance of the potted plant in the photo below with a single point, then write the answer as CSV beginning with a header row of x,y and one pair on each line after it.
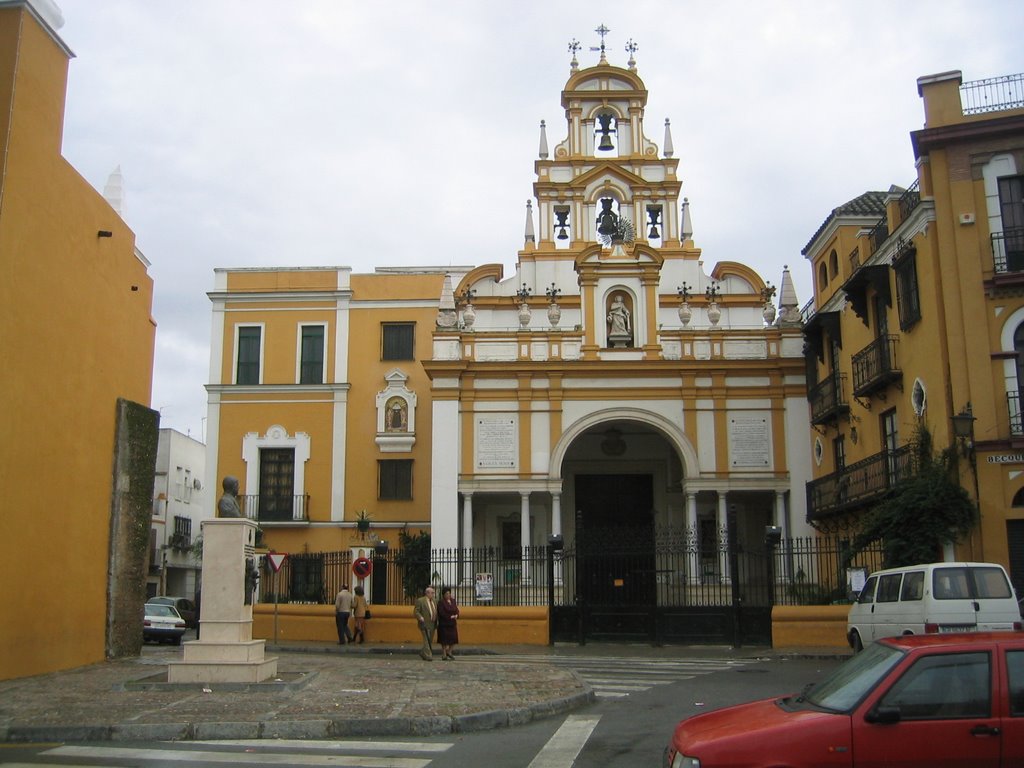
x,y
362,521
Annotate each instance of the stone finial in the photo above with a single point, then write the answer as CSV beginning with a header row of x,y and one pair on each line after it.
x,y
113,192
447,317
789,306
669,150
543,141
685,225
529,234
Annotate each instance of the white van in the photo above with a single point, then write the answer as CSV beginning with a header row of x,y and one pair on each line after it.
x,y
936,597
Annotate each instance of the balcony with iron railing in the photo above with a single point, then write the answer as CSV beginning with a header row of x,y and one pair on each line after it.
x,y
993,94
1013,406
828,399
270,508
858,484
875,366
1008,251
909,200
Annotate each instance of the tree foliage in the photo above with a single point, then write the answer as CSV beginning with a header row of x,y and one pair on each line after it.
x,y
414,561
923,513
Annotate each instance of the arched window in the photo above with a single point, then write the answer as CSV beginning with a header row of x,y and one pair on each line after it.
x,y
833,264
822,276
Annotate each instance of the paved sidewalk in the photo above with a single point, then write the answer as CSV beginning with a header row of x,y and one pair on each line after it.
x,y
321,691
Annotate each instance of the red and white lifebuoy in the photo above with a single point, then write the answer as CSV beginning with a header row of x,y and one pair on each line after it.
x,y
362,567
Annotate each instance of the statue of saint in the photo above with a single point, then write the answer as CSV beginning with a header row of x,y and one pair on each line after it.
x,y
618,317
228,504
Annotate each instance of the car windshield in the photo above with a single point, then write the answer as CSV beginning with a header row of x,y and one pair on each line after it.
x,y
842,690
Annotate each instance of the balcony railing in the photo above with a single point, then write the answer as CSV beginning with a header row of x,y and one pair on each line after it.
x,y
267,508
1013,405
874,367
878,234
992,94
858,484
1008,250
909,200
828,399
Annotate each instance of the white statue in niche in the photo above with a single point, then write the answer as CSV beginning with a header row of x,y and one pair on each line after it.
x,y
396,416
620,331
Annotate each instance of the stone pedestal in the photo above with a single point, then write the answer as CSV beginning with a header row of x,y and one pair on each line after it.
x,y
620,340
225,651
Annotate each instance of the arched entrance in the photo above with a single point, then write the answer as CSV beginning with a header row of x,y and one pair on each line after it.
x,y
647,558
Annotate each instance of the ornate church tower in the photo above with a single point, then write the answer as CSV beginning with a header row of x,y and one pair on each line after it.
x,y
611,360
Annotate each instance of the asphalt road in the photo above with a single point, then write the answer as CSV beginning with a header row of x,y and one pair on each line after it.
x,y
640,699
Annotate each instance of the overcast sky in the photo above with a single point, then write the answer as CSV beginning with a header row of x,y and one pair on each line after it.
x,y
367,134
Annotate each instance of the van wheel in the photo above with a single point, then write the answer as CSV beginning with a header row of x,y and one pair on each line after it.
x,y
855,641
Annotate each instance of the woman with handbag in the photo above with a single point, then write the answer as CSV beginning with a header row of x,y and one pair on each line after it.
x,y
361,613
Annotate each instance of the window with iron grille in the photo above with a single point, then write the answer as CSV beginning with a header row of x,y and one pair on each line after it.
x,y
397,341
1011,207
248,365
311,355
908,299
307,578
394,479
277,483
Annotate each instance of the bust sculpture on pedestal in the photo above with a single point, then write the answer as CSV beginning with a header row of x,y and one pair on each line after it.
x,y
228,504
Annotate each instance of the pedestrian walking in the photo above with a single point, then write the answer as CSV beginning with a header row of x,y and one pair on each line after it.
x,y
425,612
342,611
447,624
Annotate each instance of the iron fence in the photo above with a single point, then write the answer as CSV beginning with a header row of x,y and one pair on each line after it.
x,y
679,569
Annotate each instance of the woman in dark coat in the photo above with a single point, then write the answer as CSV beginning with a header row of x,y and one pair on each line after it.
x,y
447,624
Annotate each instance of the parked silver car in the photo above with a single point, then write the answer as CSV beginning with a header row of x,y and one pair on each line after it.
x,y
162,622
185,607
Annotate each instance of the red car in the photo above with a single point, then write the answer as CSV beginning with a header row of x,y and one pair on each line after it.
x,y
917,700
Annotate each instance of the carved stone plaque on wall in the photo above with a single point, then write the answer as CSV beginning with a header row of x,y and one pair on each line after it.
x,y
496,441
749,441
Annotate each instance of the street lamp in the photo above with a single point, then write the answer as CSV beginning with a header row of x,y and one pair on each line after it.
x,y
963,430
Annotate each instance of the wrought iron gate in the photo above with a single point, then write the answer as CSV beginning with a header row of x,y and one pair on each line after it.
x,y
655,586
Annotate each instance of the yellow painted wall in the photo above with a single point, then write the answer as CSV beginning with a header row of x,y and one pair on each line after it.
x,y
809,626
75,337
394,624
366,375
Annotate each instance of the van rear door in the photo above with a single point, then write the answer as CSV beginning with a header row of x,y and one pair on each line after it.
x,y
996,605
953,607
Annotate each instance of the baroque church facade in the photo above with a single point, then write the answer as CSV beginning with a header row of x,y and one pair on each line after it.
x,y
611,383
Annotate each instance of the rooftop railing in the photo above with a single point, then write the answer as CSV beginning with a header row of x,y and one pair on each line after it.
x,y
992,94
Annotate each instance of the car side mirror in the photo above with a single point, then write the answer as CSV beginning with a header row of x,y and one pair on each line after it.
x,y
883,715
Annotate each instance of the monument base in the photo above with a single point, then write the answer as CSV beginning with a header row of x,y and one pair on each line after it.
x,y
223,662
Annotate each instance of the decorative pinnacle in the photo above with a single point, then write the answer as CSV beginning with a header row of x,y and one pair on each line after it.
x,y
467,295
767,292
602,31
523,293
574,47
711,292
631,48
684,292
552,292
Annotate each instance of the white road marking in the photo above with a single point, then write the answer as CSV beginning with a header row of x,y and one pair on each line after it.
x,y
376,746
566,743
251,757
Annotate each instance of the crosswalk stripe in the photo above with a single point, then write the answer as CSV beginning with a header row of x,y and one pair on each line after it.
x,y
563,747
376,746
247,758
